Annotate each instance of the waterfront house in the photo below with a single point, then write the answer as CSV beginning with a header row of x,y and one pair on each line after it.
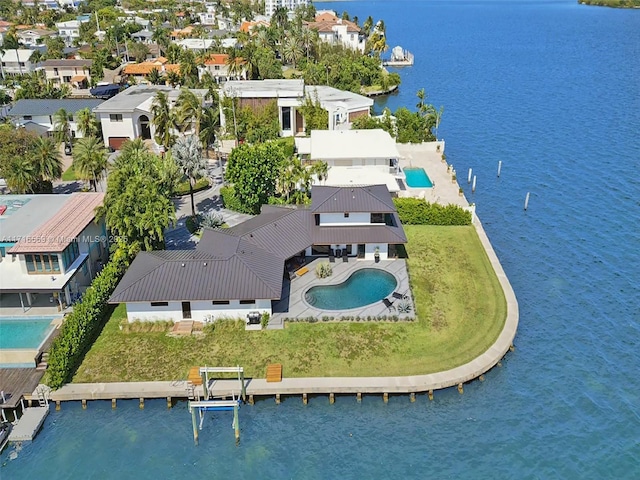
x,y
353,156
71,72
217,66
336,31
50,248
343,107
237,272
38,114
128,115
16,62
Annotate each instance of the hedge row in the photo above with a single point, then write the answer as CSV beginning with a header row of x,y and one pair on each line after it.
x,y
183,187
81,328
417,211
230,201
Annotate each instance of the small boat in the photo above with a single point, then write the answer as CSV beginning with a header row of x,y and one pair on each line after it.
x,y
399,58
5,429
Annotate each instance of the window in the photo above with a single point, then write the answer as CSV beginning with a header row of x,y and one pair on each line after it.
x,y
42,263
346,214
55,72
115,117
220,302
22,64
27,117
247,302
85,268
286,118
377,218
70,254
159,304
216,67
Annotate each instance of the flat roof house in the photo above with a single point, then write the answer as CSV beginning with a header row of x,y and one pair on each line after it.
x,y
241,270
50,245
127,115
16,62
343,107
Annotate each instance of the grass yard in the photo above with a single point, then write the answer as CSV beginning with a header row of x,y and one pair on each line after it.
x,y
460,305
69,175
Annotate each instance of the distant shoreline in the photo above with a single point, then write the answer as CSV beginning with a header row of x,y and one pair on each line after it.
x,y
609,3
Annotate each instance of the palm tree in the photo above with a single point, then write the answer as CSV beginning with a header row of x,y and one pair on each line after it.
x,y
90,160
46,159
188,110
292,48
366,27
154,76
189,67
187,153
209,124
234,68
87,123
61,126
163,119
21,175
320,170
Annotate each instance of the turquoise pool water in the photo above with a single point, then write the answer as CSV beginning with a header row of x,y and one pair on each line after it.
x,y
16,332
363,287
417,178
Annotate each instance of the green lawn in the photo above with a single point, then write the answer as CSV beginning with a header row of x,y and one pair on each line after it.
x,y
69,175
460,305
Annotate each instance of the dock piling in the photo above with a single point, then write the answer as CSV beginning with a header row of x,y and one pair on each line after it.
x,y
473,187
304,398
430,394
332,399
57,405
460,389
412,397
277,399
141,403
84,403
469,177
251,401
194,423
481,378
169,404
236,423
385,397
359,397
113,403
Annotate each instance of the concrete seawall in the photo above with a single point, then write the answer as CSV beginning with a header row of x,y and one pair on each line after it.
x,y
325,385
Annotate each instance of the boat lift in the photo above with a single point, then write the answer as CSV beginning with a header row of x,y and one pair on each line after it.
x,y
209,404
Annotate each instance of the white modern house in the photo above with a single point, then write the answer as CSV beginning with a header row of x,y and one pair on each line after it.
x,y
270,6
343,107
34,36
50,246
354,157
16,62
216,65
238,272
38,114
69,31
128,115
336,31
71,72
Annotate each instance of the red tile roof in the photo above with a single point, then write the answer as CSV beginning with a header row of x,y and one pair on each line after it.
x,y
61,229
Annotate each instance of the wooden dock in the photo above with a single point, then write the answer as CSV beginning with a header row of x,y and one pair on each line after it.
x,y
29,424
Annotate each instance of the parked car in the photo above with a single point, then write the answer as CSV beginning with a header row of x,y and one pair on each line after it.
x,y
67,149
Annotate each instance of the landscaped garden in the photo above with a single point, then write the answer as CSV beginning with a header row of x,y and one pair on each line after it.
x,y
460,306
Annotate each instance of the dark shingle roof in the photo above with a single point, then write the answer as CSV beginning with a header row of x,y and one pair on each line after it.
x,y
372,198
45,107
66,62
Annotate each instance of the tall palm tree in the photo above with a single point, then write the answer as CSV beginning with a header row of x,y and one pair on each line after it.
x,y
61,126
292,49
90,160
87,123
320,170
21,175
189,67
209,124
46,159
187,153
188,110
163,119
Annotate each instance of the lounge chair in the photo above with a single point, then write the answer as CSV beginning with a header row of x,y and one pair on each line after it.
x,y
345,257
332,257
389,304
399,296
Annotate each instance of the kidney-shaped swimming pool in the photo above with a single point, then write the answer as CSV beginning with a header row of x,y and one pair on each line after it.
x,y
364,287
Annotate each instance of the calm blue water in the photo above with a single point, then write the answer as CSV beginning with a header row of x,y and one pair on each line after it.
x,y
363,287
417,177
23,333
552,89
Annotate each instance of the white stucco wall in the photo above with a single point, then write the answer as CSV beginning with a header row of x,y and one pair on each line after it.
x,y
338,219
126,128
203,311
370,250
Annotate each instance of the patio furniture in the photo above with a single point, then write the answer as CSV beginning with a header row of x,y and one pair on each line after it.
x,y
399,296
302,271
388,304
345,257
338,252
332,257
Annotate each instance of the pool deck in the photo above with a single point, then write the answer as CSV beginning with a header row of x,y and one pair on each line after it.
x,y
293,305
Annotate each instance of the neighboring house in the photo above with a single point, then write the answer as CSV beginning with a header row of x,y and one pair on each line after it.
x,y
234,272
69,31
127,115
16,62
209,16
181,33
354,157
74,73
38,114
34,36
50,245
336,31
140,72
196,44
143,36
52,4
216,65
343,107
248,26
270,6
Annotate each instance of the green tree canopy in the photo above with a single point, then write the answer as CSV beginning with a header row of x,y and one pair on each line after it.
x,y
253,170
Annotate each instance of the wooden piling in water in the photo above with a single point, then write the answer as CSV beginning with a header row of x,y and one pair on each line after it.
x,y
84,403
113,403
194,424
251,401
430,394
169,403
359,397
277,399
460,389
304,398
332,399
236,423
141,403
57,405
385,397
481,378
412,397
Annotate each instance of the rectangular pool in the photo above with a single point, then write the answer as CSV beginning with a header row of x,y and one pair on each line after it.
x,y
417,178
24,332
